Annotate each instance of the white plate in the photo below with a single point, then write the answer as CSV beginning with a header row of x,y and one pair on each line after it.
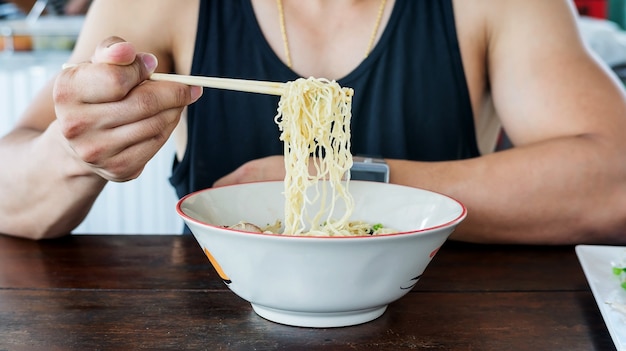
x,y
596,263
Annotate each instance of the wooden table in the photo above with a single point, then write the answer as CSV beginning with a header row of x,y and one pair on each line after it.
x,y
160,292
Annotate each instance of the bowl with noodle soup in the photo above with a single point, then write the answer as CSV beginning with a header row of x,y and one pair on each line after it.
x,y
318,278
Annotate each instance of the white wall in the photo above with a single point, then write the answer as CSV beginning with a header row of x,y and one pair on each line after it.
x,y
142,206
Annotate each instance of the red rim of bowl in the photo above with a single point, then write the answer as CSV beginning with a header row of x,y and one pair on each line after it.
x,y
460,217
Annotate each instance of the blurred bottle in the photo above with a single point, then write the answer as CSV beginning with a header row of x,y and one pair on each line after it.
x,y
592,8
51,7
617,12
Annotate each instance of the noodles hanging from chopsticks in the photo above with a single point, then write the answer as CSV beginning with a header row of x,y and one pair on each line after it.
x,y
314,118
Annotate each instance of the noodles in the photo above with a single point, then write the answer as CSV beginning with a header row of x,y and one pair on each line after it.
x,y
314,118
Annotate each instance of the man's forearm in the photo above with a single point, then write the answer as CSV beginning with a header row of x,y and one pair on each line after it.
x,y
45,192
532,194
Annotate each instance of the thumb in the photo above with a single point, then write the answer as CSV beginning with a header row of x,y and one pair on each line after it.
x,y
117,51
114,50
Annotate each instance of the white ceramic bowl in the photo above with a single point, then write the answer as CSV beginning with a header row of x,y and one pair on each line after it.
x,y
320,281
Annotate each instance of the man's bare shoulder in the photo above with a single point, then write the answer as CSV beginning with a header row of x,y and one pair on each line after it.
x,y
498,15
543,79
157,27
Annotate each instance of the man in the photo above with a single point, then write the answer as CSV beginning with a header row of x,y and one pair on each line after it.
x,y
563,182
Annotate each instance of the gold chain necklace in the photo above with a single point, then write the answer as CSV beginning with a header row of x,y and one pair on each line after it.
x,y
283,30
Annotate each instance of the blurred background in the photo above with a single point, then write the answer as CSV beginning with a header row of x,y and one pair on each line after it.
x,y
36,38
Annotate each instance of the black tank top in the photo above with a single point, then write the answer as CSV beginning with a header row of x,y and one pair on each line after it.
x,y
411,99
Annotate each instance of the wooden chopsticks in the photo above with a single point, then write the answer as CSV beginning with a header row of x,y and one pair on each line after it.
x,y
246,85
251,86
